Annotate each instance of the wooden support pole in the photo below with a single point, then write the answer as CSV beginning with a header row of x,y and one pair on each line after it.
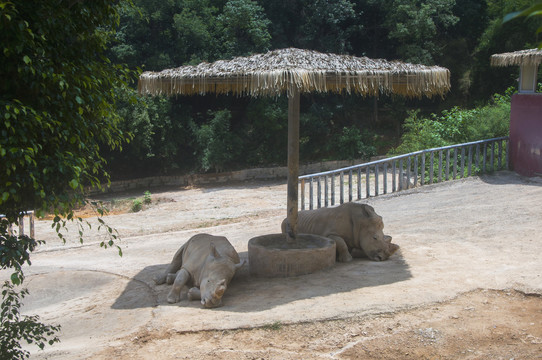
x,y
293,163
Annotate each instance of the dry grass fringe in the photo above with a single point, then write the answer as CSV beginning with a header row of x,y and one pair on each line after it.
x,y
522,57
290,70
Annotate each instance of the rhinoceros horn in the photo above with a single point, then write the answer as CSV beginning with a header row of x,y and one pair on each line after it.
x,y
221,288
392,248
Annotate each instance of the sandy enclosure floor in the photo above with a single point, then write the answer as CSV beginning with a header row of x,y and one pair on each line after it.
x,y
467,244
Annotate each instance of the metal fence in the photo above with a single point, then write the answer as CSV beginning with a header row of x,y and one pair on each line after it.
x,y
27,214
403,172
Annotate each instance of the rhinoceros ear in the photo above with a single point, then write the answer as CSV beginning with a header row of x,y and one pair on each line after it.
x,y
368,211
214,253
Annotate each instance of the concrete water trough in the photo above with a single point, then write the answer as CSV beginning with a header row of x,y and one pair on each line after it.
x,y
273,256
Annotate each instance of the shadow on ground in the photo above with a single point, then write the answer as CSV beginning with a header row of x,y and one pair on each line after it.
x,y
510,178
249,294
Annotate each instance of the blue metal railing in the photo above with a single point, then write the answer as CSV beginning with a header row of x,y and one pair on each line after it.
x,y
403,172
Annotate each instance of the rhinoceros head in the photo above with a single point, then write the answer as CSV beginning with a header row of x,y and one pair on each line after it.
x,y
215,278
368,230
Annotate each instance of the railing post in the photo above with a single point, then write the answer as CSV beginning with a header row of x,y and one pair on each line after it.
x,y
422,173
431,167
332,189
400,174
507,154
440,166
302,194
477,157
409,166
500,155
455,163
470,161
367,182
311,193
447,164
341,177
326,195
394,177
21,224
492,156
415,170
350,185
385,178
484,159
462,173
376,180
359,183
319,190
31,217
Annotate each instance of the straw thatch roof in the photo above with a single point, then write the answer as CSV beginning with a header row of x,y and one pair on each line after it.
x,y
522,57
291,69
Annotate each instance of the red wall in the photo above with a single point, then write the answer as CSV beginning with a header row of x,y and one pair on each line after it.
x,y
526,134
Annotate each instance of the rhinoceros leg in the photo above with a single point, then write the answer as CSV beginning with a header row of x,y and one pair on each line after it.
x,y
182,278
194,294
343,254
173,267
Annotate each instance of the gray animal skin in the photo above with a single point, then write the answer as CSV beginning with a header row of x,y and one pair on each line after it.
x,y
356,229
206,263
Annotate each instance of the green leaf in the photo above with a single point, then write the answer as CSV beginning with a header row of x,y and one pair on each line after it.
x,y
15,279
26,59
74,184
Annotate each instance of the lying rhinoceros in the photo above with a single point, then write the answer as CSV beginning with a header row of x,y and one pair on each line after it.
x,y
354,227
205,262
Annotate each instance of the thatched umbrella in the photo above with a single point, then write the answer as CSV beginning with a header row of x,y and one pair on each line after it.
x,y
295,71
528,61
521,57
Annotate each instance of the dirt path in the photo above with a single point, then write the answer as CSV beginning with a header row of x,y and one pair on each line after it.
x,y
429,300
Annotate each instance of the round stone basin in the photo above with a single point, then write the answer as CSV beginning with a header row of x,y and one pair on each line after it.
x,y
272,256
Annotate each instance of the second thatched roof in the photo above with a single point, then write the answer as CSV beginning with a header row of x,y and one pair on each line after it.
x,y
288,70
521,57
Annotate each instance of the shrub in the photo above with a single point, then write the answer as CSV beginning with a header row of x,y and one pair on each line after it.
x,y
147,197
137,205
456,125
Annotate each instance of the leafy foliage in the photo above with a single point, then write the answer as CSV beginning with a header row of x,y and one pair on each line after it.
x,y
58,108
57,100
456,125
217,145
16,327
416,26
243,28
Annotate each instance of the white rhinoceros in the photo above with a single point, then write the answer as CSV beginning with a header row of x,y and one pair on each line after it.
x,y
353,226
206,263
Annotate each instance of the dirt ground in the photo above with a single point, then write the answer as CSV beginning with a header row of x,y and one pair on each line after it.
x,y
466,283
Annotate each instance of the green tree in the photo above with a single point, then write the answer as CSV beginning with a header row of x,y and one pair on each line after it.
x,y
533,10
516,34
217,144
325,26
57,104
242,28
417,25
